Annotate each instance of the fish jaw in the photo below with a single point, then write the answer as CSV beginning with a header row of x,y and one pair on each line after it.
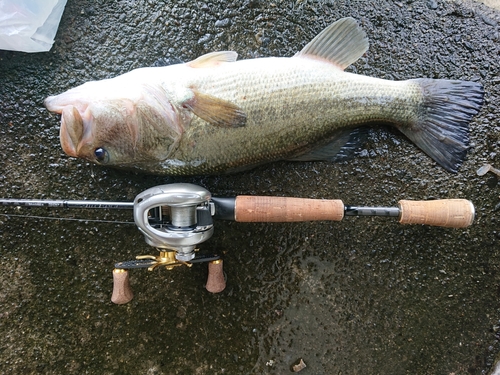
x,y
52,105
75,97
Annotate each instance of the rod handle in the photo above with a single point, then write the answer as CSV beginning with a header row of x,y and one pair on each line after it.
x,y
216,281
285,209
122,292
449,213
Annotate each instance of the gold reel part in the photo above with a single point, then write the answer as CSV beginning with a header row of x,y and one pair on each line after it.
x,y
165,258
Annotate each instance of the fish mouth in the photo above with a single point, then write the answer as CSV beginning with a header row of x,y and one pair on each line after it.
x,y
68,114
75,121
72,130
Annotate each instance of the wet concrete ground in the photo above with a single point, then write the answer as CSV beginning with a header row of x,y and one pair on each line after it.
x,y
365,295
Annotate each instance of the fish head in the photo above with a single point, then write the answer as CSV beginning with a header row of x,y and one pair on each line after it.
x,y
103,133
116,126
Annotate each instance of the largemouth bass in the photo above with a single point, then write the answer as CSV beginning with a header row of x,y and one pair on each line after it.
x,y
218,115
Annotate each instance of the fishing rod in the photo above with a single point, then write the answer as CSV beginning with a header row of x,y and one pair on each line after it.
x,y
175,218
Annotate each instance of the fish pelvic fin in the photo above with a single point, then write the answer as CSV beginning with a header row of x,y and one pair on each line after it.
x,y
341,43
213,59
442,128
216,111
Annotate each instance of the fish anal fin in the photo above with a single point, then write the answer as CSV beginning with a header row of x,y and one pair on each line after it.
x,y
341,43
216,111
213,59
343,146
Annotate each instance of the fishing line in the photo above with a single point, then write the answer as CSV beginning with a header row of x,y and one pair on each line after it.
x,y
68,219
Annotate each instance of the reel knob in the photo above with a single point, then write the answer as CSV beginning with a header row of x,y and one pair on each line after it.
x,y
122,292
216,281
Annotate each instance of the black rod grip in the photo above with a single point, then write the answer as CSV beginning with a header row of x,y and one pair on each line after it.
x,y
224,208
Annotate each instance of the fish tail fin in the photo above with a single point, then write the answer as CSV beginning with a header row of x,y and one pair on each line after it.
x,y
442,128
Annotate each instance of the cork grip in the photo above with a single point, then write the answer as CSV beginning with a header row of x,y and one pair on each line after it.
x,y
122,293
285,209
450,213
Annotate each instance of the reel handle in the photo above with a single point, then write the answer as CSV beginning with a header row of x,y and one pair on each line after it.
x,y
122,292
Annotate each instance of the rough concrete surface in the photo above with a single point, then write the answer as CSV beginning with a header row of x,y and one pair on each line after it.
x,y
361,296
491,3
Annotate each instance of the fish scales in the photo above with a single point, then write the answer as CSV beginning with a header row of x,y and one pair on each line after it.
x,y
292,106
217,115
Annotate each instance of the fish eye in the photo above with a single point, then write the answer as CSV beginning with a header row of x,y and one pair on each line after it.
x,y
101,155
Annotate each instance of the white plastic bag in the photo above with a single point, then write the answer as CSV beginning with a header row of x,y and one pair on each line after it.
x,y
29,25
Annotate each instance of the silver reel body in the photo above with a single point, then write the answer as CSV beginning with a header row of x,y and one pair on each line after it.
x,y
175,217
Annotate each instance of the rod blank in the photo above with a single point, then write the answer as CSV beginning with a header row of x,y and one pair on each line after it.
x,y
65,203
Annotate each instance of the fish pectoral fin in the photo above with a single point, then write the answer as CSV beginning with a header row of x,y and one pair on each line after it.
x,y
341,43
343,146
216,111
212,59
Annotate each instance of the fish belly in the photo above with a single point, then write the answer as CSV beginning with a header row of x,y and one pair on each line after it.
x,y
293,105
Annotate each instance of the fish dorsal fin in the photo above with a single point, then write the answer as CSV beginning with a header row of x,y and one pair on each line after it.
x,y
212,59
342,43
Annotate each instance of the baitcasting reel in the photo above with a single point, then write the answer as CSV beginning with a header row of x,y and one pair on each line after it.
x,y
176,217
